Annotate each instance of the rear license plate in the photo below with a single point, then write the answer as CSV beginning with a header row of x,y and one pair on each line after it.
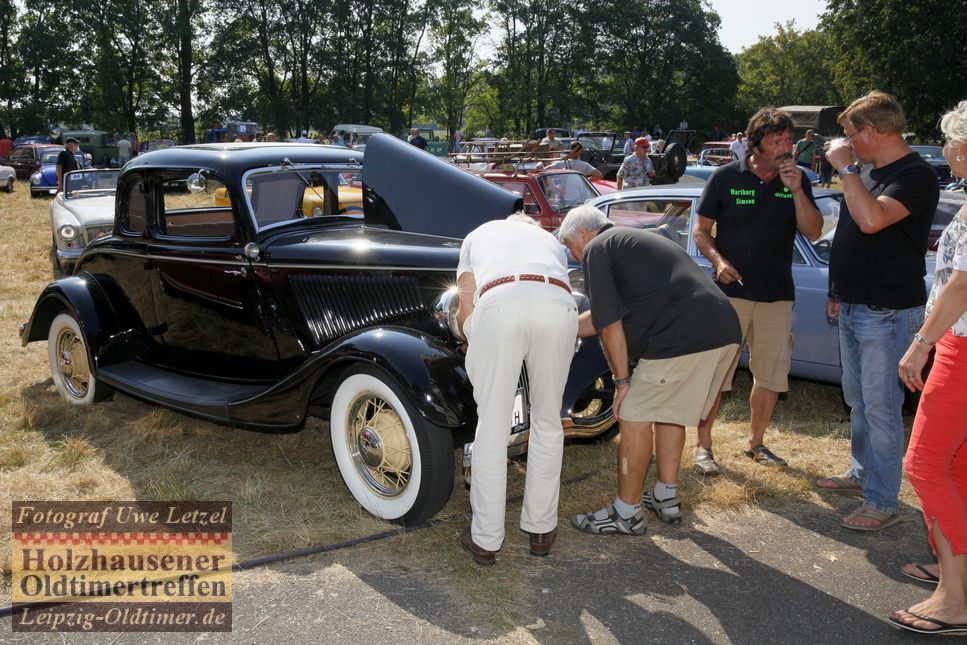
x,y
520,420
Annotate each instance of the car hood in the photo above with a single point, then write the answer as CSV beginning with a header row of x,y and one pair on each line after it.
x,y
91,210
407,189
354,247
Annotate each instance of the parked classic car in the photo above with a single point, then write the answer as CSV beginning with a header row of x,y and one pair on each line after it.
x,y
32,138
671,211
43,181
83,212
25,159
257,316
549,195
7,178
933,155
704,172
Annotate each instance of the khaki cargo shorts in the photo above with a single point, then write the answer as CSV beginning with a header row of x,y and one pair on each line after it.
x,y
767,328
679,390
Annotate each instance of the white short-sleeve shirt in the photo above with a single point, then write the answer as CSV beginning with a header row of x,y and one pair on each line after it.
x,y
501,248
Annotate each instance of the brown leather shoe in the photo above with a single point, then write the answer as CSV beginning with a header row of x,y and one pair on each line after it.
x,y
480,555
541,543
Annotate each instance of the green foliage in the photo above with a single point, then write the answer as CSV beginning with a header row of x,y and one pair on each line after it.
x,y
788,68
505,65
914,50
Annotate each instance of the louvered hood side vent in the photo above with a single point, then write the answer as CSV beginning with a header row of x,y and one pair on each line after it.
x,y
337,305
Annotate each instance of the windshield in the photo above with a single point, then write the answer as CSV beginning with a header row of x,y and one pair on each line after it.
x,y
49,157
566,190
594,142
297,192
90,183
929,152
829,208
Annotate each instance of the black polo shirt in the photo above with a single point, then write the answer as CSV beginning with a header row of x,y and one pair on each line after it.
x,y
667,304
755,230
67,161
886,269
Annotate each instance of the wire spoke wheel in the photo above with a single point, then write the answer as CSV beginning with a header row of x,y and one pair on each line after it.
x,y
379,446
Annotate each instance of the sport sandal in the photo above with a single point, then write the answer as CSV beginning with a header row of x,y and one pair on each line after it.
x,y
667,510
612,524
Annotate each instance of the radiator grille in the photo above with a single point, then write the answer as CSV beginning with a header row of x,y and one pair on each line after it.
x,y
335,305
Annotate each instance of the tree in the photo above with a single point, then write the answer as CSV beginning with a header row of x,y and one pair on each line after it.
x,y
455,34
788,68
913,50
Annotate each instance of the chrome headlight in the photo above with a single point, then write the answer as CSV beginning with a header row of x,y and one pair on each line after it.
x,y
67,232
316,212
35,178
445,312
576,276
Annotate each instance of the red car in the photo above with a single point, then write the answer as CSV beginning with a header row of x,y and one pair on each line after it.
x,y
25,159
548,194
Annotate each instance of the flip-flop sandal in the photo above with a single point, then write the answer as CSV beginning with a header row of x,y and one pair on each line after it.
x,y
864,511
840,484
927,577
942,627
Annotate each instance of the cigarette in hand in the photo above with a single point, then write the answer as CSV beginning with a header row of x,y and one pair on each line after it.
x,y
741,284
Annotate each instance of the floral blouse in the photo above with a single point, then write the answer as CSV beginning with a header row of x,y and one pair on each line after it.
x,y
951,255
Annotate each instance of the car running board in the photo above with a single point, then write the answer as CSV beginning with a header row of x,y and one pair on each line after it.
x,y
197,396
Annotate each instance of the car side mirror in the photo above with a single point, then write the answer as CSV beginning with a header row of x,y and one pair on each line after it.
x,y
197,182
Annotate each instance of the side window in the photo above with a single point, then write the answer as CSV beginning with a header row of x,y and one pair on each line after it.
x,y
666,217
135,208
203,213
531,206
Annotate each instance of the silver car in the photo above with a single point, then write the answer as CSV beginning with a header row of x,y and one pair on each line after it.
x,y
81,213
671,211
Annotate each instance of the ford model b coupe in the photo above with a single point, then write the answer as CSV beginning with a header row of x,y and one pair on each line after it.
x,y
256,314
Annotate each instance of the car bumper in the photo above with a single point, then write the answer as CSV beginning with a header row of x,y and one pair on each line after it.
x,y
43,190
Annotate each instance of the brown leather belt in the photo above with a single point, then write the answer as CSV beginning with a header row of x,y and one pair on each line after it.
x,y
524,277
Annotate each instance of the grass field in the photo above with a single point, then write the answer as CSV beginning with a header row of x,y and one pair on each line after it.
x,y
286,490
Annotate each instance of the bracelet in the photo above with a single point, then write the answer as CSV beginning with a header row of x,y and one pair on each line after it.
x,y
923,341
624,380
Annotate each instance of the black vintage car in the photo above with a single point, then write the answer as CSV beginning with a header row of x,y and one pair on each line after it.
x,y
281,305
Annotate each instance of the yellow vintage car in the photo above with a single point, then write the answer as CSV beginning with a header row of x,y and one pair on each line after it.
x,y
313,199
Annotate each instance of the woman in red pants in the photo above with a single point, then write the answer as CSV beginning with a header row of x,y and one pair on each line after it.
x,y
936,459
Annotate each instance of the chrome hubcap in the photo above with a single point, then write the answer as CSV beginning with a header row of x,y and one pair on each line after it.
x,y
379,446
72,364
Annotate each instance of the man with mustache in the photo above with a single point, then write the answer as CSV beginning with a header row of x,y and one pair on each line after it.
x,y
757,204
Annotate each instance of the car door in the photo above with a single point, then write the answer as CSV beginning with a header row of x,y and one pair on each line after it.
x,y
211,315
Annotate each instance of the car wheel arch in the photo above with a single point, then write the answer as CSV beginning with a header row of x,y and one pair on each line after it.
x,y
404,355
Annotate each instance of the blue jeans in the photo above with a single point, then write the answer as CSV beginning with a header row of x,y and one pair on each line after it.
x,y
871,342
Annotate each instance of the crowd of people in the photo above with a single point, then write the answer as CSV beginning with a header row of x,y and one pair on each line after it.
x,y
672,334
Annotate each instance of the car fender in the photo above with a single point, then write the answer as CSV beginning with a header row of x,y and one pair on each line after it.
x,y
430,371
81,296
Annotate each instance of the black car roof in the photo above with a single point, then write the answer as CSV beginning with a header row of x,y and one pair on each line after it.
x,y
231,160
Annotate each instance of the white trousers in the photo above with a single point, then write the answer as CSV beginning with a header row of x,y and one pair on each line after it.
x,y
511,323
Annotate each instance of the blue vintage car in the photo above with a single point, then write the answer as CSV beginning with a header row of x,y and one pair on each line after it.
x,y
44,180
671,211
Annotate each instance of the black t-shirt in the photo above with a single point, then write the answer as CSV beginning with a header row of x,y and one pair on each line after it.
x,y
668,306
419,142
886,269
755,230
67,161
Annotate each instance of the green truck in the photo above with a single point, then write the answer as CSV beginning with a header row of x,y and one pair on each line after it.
x,y
436,142
97,143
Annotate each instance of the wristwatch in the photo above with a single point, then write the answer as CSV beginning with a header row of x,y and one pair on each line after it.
x,y
624,380
923,341
850,169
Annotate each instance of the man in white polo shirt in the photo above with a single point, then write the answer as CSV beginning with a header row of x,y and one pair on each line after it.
x,y
515,306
